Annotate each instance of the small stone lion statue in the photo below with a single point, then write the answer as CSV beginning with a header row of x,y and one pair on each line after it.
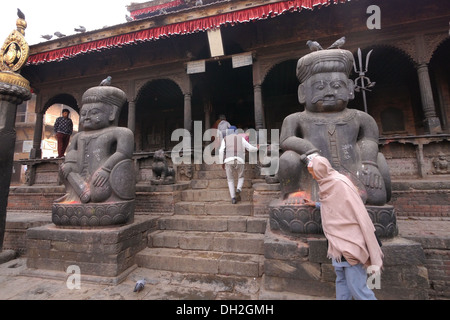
x,y
162,174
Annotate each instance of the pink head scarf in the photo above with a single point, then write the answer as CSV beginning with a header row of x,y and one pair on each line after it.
x,y
345,220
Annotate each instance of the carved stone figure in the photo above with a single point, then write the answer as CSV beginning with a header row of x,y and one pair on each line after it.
x,y
162,174
98,171
440,164
348,138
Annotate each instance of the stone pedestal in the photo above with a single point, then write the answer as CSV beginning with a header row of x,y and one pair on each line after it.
x,y
304,219
300,265
103,255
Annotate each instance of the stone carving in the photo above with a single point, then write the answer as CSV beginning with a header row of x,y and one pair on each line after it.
x,y
162,174
440,164
348,138
98,171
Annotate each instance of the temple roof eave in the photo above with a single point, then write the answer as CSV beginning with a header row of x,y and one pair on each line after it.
x,y
176,23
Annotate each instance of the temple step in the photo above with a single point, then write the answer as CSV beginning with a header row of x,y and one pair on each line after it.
x,y
214,208
209,195
209,262
213,224
226,242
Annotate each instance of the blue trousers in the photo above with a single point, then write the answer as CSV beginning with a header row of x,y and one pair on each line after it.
x,y
351,282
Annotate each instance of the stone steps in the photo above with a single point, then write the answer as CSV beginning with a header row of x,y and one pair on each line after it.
x,y
214,208
213,224
207,234
206,262
230,242
213,195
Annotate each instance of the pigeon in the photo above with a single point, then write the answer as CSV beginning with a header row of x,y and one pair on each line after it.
x,y
106,82
199,3
313,45
80,29
47,36
139,286
129,19
338,43
20,14
59,34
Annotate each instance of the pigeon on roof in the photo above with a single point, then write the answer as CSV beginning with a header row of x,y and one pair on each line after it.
x,y
47,36
59,34
80,29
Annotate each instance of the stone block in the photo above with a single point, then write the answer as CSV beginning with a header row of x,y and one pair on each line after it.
x,y
282,248
318,248
401,251
104,253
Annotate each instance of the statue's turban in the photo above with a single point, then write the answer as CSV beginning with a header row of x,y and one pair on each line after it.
x,y
105,94
333,60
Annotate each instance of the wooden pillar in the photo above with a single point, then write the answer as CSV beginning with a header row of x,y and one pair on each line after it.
x,y
432,123
187,112
132,116
36,152
257,94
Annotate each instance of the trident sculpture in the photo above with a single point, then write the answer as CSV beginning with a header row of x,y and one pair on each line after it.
x,y
363,83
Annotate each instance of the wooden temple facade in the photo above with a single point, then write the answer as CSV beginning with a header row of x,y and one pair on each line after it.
x,y
181,62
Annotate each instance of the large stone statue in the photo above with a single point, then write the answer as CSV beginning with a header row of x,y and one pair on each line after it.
x,y
98,171
348,138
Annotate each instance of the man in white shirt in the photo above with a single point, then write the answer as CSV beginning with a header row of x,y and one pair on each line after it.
x,y
232,156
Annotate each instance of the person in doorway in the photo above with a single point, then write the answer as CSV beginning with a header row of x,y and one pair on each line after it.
x,y
63,129
352,243
223,126
232,156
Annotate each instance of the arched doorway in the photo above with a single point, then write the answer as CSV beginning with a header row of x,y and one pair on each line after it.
x,y
53,109
440,78
222,89
279,91
159,111
395,95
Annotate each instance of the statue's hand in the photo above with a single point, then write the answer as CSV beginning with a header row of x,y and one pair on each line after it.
x,y
371,176
101,176
67,168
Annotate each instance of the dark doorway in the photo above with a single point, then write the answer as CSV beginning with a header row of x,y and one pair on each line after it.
x,y
222,89
159,111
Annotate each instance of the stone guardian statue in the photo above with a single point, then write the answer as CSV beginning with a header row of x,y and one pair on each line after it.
x,y
98,171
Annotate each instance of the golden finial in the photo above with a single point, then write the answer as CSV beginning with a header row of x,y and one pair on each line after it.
x,y
14,53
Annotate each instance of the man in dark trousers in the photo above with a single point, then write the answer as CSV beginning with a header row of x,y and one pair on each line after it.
x,y
63,128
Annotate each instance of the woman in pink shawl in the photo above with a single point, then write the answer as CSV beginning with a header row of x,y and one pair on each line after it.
x,y
352,243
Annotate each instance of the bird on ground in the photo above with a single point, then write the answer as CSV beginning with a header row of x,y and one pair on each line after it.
x,y
47,36
338,43
20,14
313,45
106,82
59,34
80,29
139,285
